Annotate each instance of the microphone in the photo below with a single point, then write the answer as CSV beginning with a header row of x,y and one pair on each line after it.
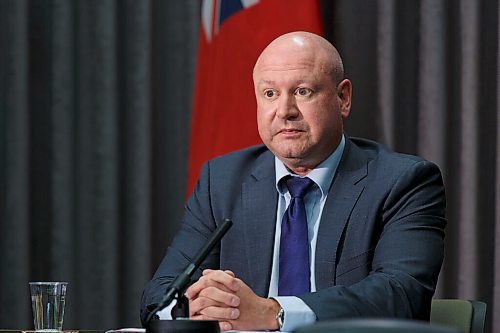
x,y
179,284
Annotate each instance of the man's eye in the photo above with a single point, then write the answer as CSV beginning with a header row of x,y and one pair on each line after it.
x,y
303,91
269,93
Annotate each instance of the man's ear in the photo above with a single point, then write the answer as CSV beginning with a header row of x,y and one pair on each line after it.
x,y
344,92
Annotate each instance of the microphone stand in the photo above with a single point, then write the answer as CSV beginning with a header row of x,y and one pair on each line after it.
x,y
176,290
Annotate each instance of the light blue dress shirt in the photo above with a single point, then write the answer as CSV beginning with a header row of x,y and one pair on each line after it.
x,y
297,313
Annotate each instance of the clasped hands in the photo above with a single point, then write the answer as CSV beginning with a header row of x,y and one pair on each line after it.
x,y
220,295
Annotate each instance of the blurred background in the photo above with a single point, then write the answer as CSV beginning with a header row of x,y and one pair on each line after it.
x,y
95,108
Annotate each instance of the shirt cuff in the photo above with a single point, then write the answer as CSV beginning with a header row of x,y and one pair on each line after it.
x,y
166,313
297,313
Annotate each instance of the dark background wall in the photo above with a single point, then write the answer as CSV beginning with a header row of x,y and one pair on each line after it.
x,y
95,100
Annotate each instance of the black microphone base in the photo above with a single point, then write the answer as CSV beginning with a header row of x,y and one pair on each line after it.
x,y
183,326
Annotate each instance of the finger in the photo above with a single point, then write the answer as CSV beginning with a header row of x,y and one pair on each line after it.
x,y
225,326
220,296
230,273
193,290
203,283
221,313
227,271
209,282
227,279
201,317
208,271
212,278
200,303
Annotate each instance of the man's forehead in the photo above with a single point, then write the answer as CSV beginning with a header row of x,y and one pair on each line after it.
x,y
277,67
286,54
285,63
275,79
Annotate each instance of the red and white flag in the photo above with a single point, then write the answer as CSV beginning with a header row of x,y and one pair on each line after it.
x,y
232,35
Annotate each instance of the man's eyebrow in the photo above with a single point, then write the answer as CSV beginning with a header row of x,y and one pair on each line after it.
x,y
265,82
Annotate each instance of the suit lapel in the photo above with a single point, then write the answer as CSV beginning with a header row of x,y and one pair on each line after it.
x,y
346,188
259,200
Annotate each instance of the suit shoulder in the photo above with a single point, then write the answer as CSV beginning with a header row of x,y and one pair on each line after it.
x,y
223,176
242,163
376,150
249,153
389,160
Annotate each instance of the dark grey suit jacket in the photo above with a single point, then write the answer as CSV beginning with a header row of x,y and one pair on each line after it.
x,y
380,240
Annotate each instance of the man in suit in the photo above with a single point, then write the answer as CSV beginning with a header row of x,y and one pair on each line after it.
x,y
374,219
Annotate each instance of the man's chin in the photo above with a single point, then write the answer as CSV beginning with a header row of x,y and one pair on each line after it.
x,y
290,155
292,160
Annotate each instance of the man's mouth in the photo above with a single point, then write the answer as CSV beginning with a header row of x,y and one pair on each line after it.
x,y
289,130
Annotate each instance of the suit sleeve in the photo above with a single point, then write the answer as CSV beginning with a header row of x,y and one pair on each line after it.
x,y
407,255
197,226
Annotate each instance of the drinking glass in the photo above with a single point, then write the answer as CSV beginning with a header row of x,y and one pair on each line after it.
x,y
48,300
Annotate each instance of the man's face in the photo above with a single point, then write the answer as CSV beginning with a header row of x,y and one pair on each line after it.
x,y
299,111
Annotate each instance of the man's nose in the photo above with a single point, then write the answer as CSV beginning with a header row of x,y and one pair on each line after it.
x,y
287,107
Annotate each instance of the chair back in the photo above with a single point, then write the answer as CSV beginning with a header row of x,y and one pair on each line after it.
x,y
364,325
469,316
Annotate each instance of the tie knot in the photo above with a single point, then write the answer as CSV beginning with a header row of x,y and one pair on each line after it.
x,y
297,186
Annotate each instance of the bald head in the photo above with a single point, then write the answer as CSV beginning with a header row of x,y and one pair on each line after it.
x,y
311,46
302,99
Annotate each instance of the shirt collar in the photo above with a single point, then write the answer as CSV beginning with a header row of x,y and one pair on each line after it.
x,y
322,175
